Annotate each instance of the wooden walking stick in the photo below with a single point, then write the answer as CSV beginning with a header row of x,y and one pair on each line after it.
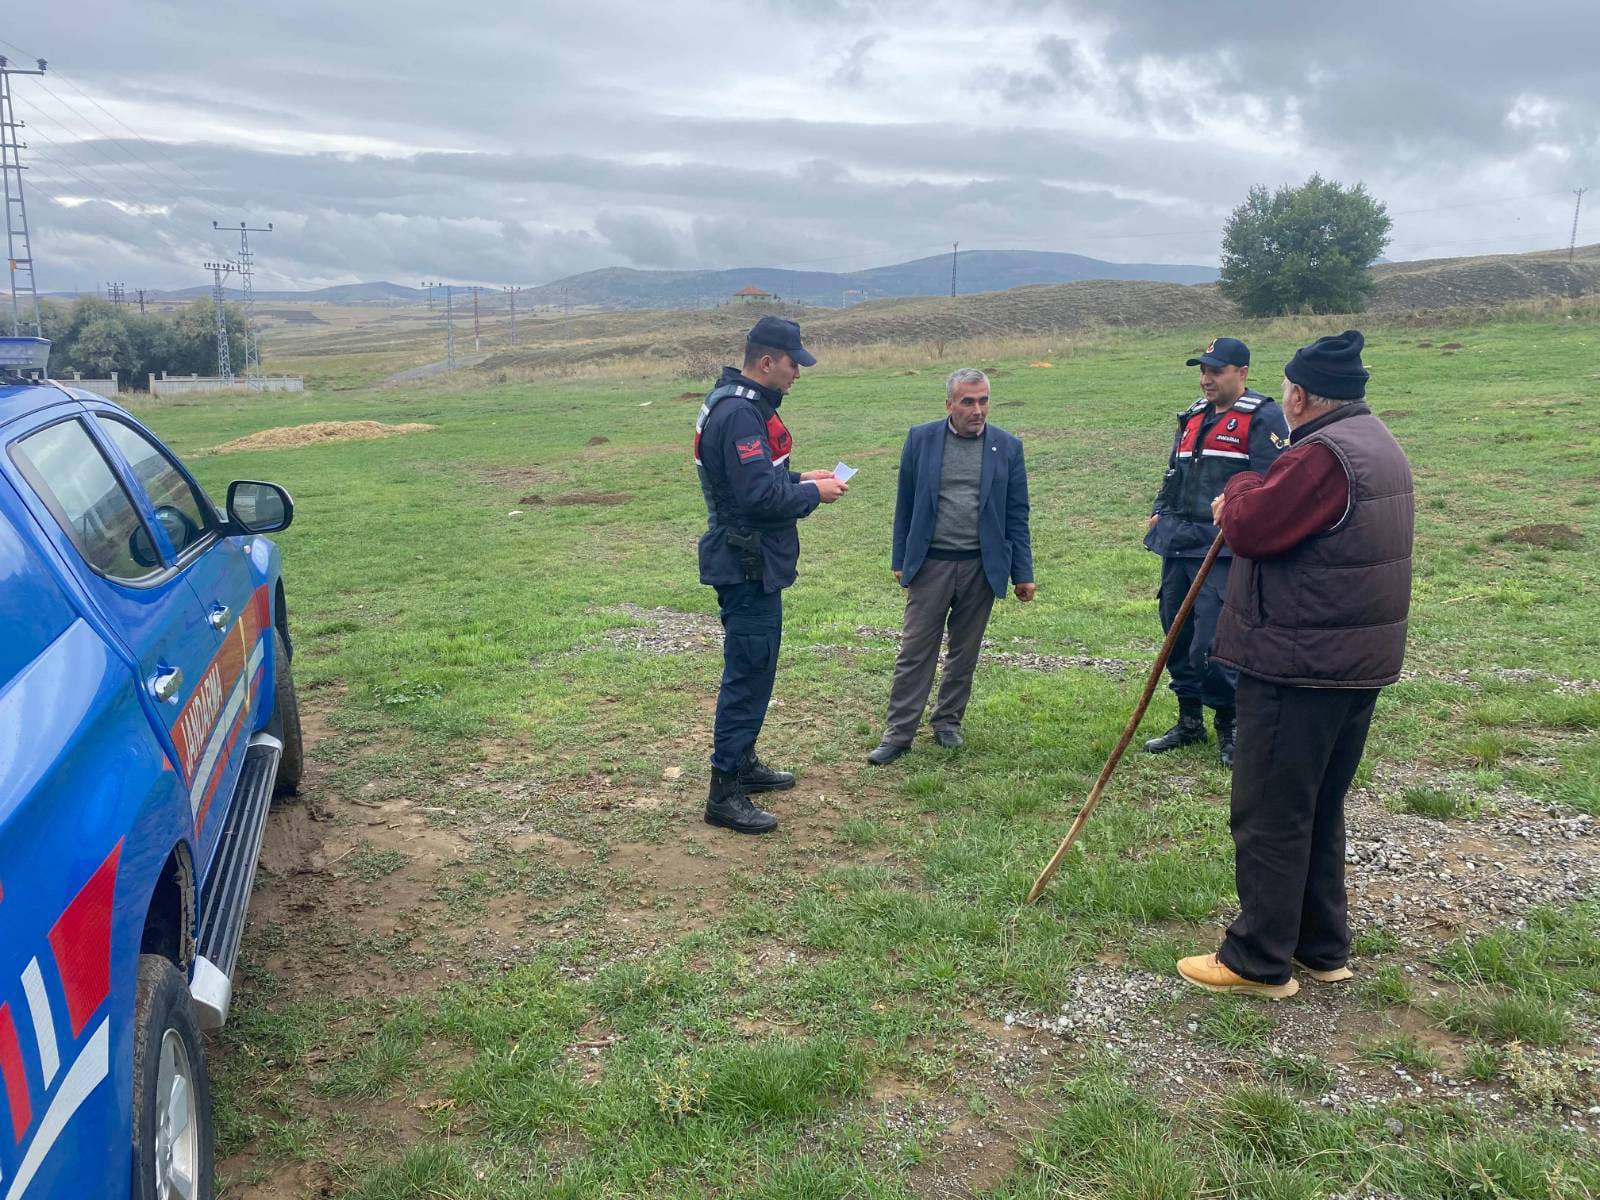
x,y
1133,721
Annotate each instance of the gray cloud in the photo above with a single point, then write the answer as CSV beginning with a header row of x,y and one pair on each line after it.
x,y
535,141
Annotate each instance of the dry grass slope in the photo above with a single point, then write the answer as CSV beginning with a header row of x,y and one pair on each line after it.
x,y
1009,323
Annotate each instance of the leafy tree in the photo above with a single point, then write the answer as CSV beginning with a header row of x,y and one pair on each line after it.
x,y
1303,249
95,337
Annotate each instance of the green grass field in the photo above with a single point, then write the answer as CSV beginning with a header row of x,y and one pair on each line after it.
x,y
494,952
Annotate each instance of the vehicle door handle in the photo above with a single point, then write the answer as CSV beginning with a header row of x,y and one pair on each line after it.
x,y
166,684
218,616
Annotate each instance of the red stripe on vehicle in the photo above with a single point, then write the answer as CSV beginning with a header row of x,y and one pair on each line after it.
x,y
191,733
218,772
260,612
81,940
11,1070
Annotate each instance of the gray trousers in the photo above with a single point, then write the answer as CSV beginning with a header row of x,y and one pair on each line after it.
x,y
943,593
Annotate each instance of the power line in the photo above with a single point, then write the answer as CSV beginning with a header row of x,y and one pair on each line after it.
x,y
140,170
140,137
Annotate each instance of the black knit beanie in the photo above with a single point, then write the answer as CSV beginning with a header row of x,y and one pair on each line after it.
x,y
1331,367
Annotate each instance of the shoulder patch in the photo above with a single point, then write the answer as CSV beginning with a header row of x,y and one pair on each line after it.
x,y
749,450
1249,403
1193,408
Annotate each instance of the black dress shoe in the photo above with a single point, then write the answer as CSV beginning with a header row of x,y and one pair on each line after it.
x,y
756,776
886,753
729,807
950,739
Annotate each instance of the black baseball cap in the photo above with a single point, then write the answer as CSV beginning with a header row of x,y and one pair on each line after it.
x,y
1224,352
782,335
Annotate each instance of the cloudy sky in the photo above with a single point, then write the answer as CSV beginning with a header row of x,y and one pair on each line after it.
x,y
501,142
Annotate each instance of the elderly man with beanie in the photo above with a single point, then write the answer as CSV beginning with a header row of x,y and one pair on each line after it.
x,y
1315,624
1229,429
749,553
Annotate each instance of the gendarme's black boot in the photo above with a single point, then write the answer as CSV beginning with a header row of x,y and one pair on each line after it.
x,y
1191,727
1224,721
756,776
727,805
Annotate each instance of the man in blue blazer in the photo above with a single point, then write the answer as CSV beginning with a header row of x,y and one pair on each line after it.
x,y
960,535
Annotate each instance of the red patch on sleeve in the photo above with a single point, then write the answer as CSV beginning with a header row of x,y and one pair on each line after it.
x,y
749,450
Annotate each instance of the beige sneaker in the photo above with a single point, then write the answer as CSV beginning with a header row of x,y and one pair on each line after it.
x,y
1337,975
1207,971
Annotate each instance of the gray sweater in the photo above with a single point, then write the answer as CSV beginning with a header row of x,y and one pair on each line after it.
x,y
956,529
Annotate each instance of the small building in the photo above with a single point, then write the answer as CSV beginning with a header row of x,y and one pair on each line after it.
x,y
754,295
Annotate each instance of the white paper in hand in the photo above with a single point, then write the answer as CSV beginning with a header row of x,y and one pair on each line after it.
x,y
843,473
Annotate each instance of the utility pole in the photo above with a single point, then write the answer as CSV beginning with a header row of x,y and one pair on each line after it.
x,y
476,345
115,292
428,287
955,250
449,325
19,249
141,300
246,268
511,299
1576,208
219,303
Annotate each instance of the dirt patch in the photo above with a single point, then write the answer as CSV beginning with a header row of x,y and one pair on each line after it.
x,y
289,437
597,440
517,477
603,499
667,631
691,396
1449,345
1553,537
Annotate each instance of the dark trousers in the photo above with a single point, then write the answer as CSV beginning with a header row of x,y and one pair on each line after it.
x,y
752,630
1298,751
943,594
1194,675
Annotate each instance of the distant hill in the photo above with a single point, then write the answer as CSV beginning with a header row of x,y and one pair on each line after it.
x,y
343,293
1484,281
976,271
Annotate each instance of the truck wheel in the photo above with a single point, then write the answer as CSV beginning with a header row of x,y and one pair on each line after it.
x,y
285,723
171,1095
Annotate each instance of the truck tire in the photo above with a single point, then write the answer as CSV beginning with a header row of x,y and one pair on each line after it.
x,y
172,1155
285,723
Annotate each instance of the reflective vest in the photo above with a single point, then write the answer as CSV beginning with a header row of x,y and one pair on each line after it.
x,y
1206,464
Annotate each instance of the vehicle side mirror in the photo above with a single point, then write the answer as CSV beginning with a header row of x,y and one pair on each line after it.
x,y
141,549
255,507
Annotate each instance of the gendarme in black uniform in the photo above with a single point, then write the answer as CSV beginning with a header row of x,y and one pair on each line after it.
x,y
749,553
1208,449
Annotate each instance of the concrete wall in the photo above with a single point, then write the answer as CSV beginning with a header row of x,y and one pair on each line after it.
x,y
102,387
185,385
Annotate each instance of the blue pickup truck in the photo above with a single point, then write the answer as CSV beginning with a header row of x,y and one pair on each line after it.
x,y
147,719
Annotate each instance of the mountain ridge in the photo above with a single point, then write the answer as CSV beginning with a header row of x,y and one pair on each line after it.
x,y
636,288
